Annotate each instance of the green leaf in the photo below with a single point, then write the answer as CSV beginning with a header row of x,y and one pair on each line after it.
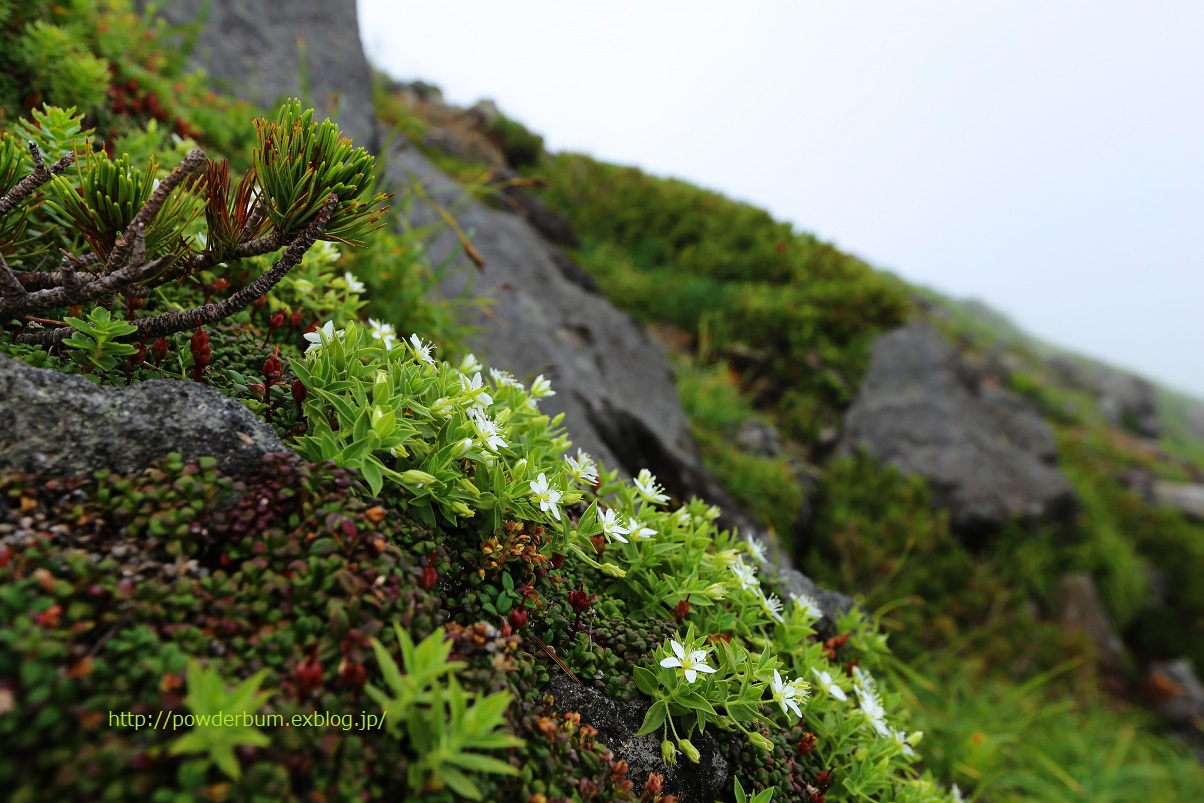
x,y
654,718
645,681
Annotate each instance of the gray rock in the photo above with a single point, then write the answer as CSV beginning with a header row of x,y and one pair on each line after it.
x,y
67,426
1082,610
1130,402
982,451
759,438
617,725
1175,691
1186,497
252,49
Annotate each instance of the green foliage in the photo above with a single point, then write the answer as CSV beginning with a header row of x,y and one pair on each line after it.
x,y
300,162
521,147
760,797
716,408
440,724
107,194
94,345
60,68
209,699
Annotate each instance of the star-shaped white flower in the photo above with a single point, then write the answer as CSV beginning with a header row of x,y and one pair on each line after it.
x,y
354,285
747,575
772,606
785,694
548,498
806,605
541,388
828,684
503,379
612,527
636,528
755,548
646,485
871,706
383,332
487,431
422,350
581,468
320,337
690,664
475,389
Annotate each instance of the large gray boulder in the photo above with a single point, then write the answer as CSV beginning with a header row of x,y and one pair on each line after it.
x,y
65,425
984,451
260,51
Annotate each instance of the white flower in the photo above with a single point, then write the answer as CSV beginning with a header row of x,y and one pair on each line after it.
x,y
383,331
871,706
322,336
422,350
747,575
611,526
636,528
802,689
957,795
487,432
470,364
581,468
901,739
354,285
473,388
541,388
504,379
756,548
806,605
547,497
713,512
682,517
772,606
690,664
785,694
828,684
646,485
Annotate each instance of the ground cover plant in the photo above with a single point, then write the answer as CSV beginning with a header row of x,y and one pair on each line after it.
x,y
773,326
400,586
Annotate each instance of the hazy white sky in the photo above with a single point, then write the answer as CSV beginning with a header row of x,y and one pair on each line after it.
x,y
1045,156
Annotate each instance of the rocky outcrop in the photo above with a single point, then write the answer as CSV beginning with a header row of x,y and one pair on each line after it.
x,y
1186,497
1131,403
65,425
984,451
617,725
261,51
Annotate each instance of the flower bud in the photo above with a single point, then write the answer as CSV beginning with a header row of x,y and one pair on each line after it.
x,y
760,741
159,349
668,752
461,509
463,448
689,749
300,392
518,617
613,570
417,478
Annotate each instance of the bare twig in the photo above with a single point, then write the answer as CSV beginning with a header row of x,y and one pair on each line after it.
x,y
170,323
40,175
121,249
